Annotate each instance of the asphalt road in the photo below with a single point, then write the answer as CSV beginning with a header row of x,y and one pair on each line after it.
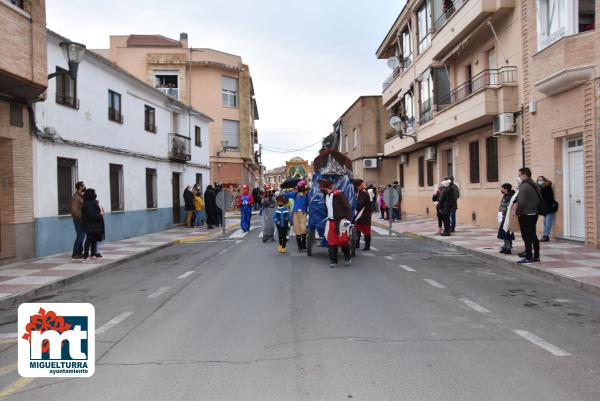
x,y
235,320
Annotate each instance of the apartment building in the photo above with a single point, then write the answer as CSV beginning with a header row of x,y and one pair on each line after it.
x,y
23,80
215,82
455,88
136,146
561,108
360,134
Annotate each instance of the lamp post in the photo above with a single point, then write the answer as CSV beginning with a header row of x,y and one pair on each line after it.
x,y
73,54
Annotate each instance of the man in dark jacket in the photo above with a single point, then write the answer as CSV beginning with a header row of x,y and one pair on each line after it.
x,y
76,204
528,202
188,199
337,230
362,220
210,205
455,192
397,208
92,224
444,205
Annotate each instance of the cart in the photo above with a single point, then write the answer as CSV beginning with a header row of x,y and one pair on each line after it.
x,y
337,168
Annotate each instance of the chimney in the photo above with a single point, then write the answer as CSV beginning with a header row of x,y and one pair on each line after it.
x,y
183,39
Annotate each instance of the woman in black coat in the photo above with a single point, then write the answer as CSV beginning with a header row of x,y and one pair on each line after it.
x,y
92,223
210,203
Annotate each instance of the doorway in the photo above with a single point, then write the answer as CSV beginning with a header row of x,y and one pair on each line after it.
x,y
574,194
176,198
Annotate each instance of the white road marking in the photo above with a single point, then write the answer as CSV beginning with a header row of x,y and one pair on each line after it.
x,y
159,292
380,230
222,252
8,335
368,254
238,241
474,305
388,257
407,268
260,235
186,274
433,283
374,249
238,234
113,322
562,301
540,342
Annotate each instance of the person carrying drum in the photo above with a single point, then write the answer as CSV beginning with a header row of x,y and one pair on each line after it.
x,y
299,213
362,220
337,229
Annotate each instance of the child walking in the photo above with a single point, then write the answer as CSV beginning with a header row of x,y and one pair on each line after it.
x,y
282,222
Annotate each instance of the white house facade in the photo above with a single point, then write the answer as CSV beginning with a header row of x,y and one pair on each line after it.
x,y
137,147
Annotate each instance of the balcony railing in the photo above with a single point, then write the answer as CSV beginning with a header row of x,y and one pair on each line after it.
x,y
485,79
450,7
173,92
179,148
405,63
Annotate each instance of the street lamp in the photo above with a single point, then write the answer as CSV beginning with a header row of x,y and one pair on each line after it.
x,y
73,54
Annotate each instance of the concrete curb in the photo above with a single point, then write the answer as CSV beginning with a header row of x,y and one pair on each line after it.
x,y
32,293
529,269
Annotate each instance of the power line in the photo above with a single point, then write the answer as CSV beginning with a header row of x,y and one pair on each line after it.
x,y
276,150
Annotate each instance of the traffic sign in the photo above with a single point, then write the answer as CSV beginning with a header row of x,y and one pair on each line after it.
x,y
224,199
391,196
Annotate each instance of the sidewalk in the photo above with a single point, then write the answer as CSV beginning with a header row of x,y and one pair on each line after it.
x,y
562,261
26,279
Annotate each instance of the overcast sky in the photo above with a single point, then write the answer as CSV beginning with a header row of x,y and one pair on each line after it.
x,y
309,59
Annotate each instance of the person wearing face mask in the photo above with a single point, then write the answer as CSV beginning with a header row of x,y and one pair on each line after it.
x,y
528,203
337,229
503,210
548,196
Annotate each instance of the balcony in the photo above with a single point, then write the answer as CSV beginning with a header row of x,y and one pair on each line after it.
x,y
405,63
450,8
471,105
179,148
172,92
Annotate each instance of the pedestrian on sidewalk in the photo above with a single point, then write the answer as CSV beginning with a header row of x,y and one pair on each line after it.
x,y
455,192
267,212
200,209
92,224
219,218
245,202
337,228
443,201
299,213
396,209
281,218
362,220
503,214
210,206
76,204
189,207
528,203
548,196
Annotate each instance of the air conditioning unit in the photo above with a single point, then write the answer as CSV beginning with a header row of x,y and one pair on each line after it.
x,y
404,158
430,153
504,124
370,163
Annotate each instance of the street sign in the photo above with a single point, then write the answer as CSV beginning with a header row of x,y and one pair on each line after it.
x,y
224,200
391,197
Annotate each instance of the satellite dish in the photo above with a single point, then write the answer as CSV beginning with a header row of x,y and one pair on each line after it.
x,y
393,63
396,123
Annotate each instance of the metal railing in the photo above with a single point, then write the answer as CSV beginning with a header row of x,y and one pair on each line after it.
x,y
485,79
179,148
426,116
173,92
450,7
405,63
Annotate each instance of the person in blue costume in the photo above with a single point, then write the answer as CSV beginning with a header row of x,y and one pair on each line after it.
x,y
246,201
299,213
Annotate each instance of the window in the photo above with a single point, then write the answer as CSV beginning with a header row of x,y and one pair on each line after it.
x,y
116,187
199,180
229,91
66,178
198,136
346,147
151,202
474,162
449,163
424,24
355,137
401,176
491,158
114,107
559,18
587,15
408,110
167,82
406,48
430,170
441,85
426,97
66,89
16,115
18,3
421,171
149,119
231,133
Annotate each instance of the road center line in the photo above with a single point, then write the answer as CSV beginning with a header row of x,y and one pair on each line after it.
x,y
186,274
222,252
388,257
159,292
433,283
540,342
407,268
113,322
474,305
